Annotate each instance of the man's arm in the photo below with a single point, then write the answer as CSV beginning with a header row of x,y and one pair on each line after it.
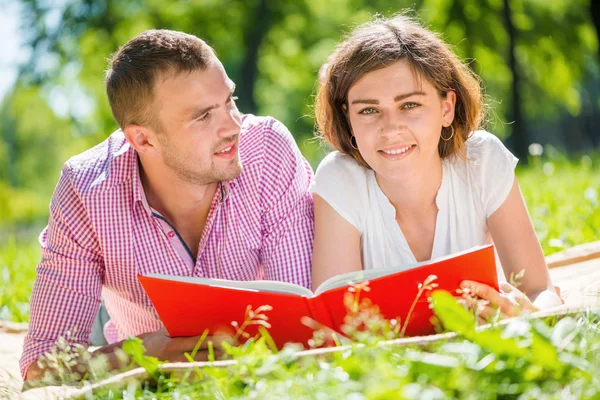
x,y
156,344
66,292
287,219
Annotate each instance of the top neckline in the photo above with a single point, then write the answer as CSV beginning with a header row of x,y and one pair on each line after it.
x,y
392,226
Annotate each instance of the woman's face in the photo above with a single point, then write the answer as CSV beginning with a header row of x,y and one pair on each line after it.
x,y
397,118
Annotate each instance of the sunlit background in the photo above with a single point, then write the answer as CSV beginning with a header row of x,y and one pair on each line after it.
x,y
539,61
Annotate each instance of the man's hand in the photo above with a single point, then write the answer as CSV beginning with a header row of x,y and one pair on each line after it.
x,y
160,345
509,300
157,344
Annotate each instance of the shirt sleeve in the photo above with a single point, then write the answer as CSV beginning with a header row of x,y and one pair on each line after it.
x,y
342,183
287,219
67,287
494,169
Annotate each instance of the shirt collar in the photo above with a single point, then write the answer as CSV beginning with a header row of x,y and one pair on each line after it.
x,y
139,196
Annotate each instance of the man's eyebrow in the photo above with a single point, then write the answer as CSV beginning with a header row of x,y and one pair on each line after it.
x,y
396,99
201,111
197,113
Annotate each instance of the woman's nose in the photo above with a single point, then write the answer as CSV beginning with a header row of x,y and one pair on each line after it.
x,y
392,124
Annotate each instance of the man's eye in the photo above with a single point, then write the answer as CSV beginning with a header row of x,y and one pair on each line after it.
x,y
204,117
367,111
408,106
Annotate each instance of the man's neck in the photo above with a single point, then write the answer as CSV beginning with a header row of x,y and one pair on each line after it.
x,y
184,204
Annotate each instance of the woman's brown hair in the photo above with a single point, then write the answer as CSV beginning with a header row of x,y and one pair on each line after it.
x,y
378,44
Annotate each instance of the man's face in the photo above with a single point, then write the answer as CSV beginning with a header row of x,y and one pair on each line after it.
x,y
200,125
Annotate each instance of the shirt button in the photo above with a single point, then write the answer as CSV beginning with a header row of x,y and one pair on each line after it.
x,y
171,234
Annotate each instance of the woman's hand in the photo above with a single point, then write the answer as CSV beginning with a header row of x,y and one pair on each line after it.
x,y
509,300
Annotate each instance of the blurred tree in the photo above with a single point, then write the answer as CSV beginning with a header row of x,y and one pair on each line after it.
x,y
595,14
519,132
7,146
273,49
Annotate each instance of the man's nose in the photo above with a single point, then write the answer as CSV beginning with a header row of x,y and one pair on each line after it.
x,y
231,124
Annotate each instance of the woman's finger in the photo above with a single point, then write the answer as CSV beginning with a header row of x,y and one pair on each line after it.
x,y
490,294
521,301
487,313
506,287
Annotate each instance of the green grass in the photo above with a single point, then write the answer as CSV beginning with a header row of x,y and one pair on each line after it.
x,y
552,358
17,273
563,198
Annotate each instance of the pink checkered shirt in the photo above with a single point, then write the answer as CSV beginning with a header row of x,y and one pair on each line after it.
x,y
101,233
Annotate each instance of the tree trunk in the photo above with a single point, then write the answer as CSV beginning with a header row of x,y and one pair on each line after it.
x,y
595,14
254,36
519,141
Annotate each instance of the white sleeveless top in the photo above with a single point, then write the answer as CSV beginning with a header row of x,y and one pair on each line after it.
x,y
470,192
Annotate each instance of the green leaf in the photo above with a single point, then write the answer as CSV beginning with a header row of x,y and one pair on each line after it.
x,y
457,319
134,348
453,316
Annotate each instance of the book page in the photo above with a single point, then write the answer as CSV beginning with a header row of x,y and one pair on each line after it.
x,y
258,286
360,276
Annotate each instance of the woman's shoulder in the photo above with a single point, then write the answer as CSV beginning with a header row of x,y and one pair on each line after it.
x,y
339,161
343,183
488,169
481,143
341,171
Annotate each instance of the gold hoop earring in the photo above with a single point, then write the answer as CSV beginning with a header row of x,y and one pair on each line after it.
x,y
451,135
352,141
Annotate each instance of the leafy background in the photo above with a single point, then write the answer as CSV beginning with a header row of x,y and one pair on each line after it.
x,y
539,61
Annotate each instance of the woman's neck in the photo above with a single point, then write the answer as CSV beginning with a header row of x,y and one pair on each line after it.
x,y
416,195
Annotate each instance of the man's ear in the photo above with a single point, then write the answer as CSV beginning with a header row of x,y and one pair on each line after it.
x,y
448,106
140,138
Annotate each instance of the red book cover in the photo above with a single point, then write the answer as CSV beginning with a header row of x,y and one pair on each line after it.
x,y
187,306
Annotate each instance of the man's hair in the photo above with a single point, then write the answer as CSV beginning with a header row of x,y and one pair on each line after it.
x,y
378,44
137,66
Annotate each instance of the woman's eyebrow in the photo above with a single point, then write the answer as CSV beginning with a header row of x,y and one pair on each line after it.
x,y
396,99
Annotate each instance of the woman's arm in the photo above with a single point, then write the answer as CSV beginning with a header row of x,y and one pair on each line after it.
x,y
518,249
336,248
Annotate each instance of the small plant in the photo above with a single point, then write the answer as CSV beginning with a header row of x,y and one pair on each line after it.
x,y
515,279
427,285
251,317
134,348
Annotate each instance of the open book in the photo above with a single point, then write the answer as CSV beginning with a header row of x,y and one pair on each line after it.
x,y
187,305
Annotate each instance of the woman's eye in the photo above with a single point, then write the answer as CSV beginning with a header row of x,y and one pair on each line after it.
x,y
367,111
408,106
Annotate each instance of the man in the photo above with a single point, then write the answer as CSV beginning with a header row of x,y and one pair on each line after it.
x,y
187,187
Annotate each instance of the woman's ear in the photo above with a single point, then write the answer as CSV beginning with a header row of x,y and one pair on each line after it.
x,y
448,106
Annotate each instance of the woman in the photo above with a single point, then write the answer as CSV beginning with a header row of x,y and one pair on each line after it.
x,y
412,178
